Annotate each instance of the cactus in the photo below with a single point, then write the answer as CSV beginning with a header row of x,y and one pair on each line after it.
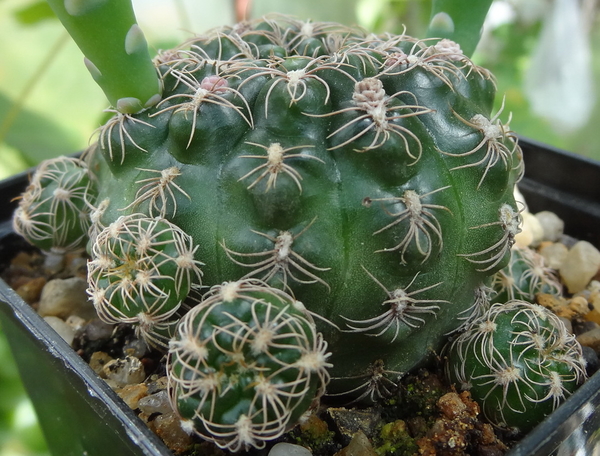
x,y
245,364
142,270
363,175
523,277
518,361
54,211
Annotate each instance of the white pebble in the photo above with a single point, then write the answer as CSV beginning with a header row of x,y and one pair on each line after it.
x,y
65,297
554,255
289,449
520,199
155,403
580,266
531,233
124,371
75,322
63,329
552,225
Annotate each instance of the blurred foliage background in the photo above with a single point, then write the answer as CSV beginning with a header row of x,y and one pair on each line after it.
x,y
545,55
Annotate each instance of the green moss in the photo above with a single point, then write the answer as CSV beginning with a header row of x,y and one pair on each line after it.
x,y
395,440
419,395
314,433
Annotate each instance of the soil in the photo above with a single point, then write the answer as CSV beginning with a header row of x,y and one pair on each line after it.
x,y
425,415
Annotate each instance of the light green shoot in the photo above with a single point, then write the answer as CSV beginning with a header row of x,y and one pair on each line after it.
x,y
116,52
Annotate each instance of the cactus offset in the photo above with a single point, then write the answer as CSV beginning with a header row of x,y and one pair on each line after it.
x,y
245,364
523,277
54,211
142,270
518,361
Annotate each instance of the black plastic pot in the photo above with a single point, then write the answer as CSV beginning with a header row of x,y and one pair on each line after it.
x,y
81,415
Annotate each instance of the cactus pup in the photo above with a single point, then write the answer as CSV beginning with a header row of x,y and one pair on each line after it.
x,y
245,365
143,268
54,211
518,361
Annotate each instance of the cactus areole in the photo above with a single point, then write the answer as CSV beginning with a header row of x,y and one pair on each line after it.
x,y
364,175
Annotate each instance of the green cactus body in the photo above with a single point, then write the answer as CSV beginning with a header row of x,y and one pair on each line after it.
x,y
523,277
54,212
362,174
142,270
245,364
518,361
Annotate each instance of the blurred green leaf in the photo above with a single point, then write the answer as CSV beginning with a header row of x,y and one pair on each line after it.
x,y
37,11
459,20
36,136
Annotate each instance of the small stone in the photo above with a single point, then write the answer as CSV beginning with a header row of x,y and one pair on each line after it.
x,y
580,266
531,233
168,428
155,403
65,297
156,384
314,432
554,254
568,324
590,339
25,260
593,316
349,421
97,330
124,371
61,327
31,290
562,307
579,305
289,449
97,362
132,395
592,362
358,446
136,347
594,294
76,322
556,304
552,226
582,326
451,405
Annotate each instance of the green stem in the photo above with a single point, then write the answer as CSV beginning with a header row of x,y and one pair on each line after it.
x,y
460,21
115,49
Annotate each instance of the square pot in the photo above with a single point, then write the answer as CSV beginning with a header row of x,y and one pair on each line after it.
x,y
81,415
